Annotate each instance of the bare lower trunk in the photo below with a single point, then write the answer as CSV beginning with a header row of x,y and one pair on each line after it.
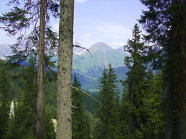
x,y
39,126
64,104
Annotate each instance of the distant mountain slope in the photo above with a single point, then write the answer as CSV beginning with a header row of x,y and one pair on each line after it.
x,y
91,84
101,56
121,72
89,67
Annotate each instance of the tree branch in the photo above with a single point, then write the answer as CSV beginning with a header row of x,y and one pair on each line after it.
x,y
78,89
83,48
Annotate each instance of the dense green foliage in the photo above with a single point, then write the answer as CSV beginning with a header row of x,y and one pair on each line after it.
x,y
22,91
22,123
23,111
109,124
165,22
136,88
156,105
4,102
80,121
152,104
143,102
49,131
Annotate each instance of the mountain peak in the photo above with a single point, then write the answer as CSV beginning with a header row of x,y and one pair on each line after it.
x,y
100,46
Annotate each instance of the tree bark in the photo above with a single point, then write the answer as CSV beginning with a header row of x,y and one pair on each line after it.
x,y
39,124
64,104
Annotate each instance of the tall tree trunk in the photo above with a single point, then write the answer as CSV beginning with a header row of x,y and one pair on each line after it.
x,y
176,114
39,126
64,104
183,82
183,77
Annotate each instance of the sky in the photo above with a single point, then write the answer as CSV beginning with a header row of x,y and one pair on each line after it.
x,y
109,21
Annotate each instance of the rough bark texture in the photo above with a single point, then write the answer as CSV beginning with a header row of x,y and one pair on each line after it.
x,y
39,126
64,104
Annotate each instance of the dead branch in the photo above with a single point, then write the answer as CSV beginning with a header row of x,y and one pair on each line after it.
x,y
78,89
83,48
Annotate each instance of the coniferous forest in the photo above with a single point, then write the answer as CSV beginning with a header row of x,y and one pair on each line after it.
x,y
43,98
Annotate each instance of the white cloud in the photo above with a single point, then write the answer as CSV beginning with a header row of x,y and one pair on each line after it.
x,y
115,35
81,1
85,39
117,44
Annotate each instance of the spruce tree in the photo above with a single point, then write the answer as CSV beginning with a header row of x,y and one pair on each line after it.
x,y
48,130
80,121
135,108
165,22
4,103
24,17
150,99
24,120
125,110
109,124
156,105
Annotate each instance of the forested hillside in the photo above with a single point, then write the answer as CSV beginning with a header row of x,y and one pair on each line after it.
x,y
137,91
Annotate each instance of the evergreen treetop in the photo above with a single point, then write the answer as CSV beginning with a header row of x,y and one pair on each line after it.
x,y
109,125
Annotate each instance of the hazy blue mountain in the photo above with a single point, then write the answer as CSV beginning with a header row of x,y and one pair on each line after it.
x,y
121,72
89,67
91,84
94,63
88,83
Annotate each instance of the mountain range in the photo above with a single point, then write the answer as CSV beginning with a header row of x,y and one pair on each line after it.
x,y
89,66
